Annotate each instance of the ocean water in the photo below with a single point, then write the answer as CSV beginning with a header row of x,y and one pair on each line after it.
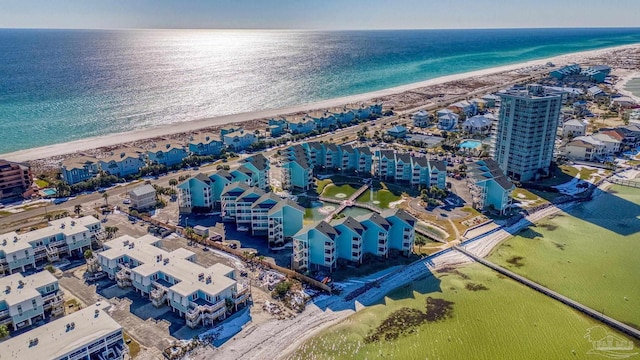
x,y
63,85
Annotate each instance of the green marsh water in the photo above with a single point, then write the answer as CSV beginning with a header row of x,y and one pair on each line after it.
x,y
590,254
500,319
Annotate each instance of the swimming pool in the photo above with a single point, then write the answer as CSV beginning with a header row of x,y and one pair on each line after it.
x,y
470,144
49,192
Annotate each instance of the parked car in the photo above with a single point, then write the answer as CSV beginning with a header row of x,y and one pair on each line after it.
x,y
126,201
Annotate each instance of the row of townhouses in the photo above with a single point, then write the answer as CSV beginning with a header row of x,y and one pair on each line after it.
x,y
319,246
414,170
200,295
601,145
204,191
66,236
264,214
89,333
25,300
301,160
318,120
129,161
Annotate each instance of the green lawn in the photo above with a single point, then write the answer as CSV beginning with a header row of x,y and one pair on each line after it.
x,y
483,316
589,254
381,198
332,190
42,183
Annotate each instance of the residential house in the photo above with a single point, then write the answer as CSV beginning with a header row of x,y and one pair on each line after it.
x,y
277,127
401,234
78,169
143,197
301,125
88,333
198,294
490,187
323,119
584,148
63,236
123,162
343,115
574,128
595,92
491,100
168,154
239,140
16,179
611,144
479,104
479,124
25,300
205,144
376,234
397,132
447,120
463,107
421,118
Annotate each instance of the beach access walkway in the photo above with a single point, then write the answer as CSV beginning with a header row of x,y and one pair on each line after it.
x,y
554,295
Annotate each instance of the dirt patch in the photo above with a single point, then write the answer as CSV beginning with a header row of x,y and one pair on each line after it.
x,y
452,270
516,261
406,320
549,227
476,287
559,246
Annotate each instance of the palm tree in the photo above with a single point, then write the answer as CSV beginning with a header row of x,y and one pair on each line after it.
x,y
420,241
173,182
105,196
188,232
77,209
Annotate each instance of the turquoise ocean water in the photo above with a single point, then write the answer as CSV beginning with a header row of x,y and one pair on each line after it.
x,y
63,85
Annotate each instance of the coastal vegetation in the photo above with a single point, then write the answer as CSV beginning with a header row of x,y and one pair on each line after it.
x,y
502,320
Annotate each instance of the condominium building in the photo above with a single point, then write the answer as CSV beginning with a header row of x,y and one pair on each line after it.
x,y
297,168
489,186
168,154
123,162
202,295
87,334
526,131
261,213
319,246
414,170
15,180
64,236
25,300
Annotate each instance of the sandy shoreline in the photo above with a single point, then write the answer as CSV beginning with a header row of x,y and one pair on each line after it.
x,y
623,82
190,126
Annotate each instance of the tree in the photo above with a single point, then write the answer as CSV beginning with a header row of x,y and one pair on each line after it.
x,y
420,241
4,331
88,254
189,232
173,182
77,209
105,196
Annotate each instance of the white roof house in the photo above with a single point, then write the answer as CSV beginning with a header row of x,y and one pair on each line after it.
x,y
574,127
143,197
479,124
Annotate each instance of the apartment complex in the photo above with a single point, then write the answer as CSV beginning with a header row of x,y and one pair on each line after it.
x,y
414,170
526,131
201,295
302,160
489,186
66,236
15,180
319,246
25,300
87,334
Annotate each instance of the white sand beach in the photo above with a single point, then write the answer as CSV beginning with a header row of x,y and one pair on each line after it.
x,y
620,85
154,132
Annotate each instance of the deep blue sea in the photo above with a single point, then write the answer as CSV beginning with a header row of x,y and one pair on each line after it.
x,y
63,85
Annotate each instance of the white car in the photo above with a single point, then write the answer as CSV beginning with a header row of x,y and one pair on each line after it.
x,y
126,201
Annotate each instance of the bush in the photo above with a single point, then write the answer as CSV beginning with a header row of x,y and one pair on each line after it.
x,y
50,268
281,289
88,254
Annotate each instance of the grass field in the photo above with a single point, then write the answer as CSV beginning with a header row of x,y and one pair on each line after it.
x,y
331,190
474,313
381,198
589,254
